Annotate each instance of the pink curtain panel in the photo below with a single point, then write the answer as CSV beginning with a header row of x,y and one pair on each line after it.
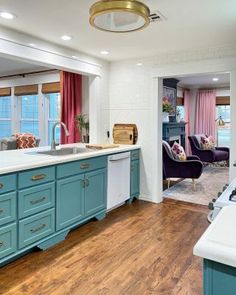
x,y
71,97
206,113
187,120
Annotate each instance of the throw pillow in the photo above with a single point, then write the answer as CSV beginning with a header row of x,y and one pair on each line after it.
x,y
207,143
178,151
25,140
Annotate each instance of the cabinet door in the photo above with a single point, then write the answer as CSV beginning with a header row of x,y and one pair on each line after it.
x,y
69,201
134,178
95,191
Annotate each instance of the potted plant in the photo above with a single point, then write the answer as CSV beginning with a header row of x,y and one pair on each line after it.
x,y
82,124
167,108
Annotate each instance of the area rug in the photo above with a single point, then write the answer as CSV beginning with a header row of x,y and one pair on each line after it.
x,y
208,185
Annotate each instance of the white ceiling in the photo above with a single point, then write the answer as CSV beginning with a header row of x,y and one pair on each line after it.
x,y
12,67
190,24
201,81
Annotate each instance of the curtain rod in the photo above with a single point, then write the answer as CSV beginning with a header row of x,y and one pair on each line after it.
x,y
27,74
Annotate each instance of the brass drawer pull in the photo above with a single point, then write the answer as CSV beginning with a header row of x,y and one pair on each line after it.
x,y
1,185
33,202
38,228
84,166
38,177
1,210
1,243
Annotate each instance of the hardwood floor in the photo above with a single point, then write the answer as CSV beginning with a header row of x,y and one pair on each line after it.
x,y
138,249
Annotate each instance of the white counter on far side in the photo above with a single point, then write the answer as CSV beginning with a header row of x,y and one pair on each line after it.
x,y
218,243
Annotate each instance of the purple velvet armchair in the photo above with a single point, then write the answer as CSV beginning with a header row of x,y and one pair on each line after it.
x,y
172,168
208,156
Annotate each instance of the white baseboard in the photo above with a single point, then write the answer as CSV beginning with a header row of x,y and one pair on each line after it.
x,y
147,198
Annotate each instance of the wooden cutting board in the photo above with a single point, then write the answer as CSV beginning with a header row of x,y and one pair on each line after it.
x,y
125,134
102,146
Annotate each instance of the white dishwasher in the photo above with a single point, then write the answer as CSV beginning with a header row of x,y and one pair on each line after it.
x,y
118,180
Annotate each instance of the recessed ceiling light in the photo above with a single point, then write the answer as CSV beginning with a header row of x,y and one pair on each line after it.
x,y
66,37
215,79
104,52
7,15
32,45
139,64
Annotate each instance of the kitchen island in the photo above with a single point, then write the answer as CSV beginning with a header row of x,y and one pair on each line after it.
x,y
217,247
43,197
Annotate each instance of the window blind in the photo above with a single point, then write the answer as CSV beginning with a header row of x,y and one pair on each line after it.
x,y
180,101
26,90
51,87
5,91
222,100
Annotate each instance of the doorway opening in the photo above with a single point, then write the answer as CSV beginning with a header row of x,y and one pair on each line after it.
x,y
196,133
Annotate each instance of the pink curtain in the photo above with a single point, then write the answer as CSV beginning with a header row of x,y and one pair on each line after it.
x,y
71,96
206,112
187,120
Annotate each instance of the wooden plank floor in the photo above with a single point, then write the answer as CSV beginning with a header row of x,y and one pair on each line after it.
x,y
138,249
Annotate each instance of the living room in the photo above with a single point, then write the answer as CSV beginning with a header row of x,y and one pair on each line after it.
x,y
199,120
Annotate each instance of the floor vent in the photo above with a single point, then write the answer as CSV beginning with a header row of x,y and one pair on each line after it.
x,y
156,16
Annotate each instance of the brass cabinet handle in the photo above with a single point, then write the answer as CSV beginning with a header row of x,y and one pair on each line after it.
x,y
84,166
34,230
86,182
34,202
1,243
38,177
1,185
1,210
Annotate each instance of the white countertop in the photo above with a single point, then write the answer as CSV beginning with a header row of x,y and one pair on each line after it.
x,y
18,160
218,243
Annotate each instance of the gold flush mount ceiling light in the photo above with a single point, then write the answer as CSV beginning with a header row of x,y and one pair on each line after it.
x,y
119,16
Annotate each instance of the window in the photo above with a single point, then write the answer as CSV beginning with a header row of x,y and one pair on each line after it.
x,y
54,115
180,109
29,113
5,116
223,132
29,119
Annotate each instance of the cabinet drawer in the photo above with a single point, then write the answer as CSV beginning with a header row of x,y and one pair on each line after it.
x,y
36,227
81,166
36,199
7,240
7,183
135,155
36,176
7,208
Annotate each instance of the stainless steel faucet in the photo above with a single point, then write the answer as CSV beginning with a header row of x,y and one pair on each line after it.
x,y
54,144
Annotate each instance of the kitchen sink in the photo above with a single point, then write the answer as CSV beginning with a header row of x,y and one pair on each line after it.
x,y
65,151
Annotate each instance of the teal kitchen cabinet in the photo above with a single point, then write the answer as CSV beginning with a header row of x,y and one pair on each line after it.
x,y
95,191
8,241
38,207
69,201
135,174
219,279
81,191
7,208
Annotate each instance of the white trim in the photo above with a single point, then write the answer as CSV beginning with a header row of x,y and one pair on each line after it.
x,y
47,58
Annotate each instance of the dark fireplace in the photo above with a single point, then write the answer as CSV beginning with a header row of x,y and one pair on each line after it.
x,y
172,132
